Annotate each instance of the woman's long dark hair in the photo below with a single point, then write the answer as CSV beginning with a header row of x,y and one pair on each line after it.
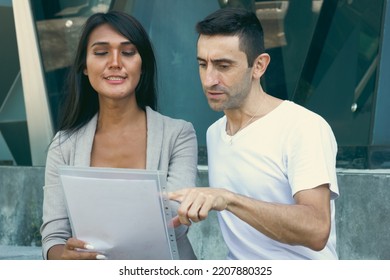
x,y
81,100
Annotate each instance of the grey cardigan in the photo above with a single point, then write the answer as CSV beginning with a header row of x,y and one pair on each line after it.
x,y
171,147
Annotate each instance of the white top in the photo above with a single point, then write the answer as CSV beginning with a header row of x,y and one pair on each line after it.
x,y
288,150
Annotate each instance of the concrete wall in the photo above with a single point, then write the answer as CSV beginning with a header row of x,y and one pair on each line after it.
x,y
20,205
362,216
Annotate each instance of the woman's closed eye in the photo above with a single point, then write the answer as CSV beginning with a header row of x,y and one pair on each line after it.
x,y
100,52
129,53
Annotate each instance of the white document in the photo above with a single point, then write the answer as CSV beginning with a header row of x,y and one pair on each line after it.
x,y
123,213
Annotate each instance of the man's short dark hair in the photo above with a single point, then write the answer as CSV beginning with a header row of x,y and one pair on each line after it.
x,y
236,22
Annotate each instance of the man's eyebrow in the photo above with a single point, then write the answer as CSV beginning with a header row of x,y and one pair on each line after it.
x,y
223,60
103,43
219,60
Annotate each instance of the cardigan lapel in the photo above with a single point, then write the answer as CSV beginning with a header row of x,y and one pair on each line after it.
x,y
155,133
84,142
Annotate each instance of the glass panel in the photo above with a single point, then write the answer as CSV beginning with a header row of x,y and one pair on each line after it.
x,y
171,26
324,56
14,142
288,28
58,25
339,76
173,35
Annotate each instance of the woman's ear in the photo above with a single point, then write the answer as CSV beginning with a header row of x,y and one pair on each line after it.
x,y
85,71
260,65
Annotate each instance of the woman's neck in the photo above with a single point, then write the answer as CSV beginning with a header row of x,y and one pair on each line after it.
x,y
113,118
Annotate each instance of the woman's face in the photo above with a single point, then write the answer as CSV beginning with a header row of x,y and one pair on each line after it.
x,y
113,64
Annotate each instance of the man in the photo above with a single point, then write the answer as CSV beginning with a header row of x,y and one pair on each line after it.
x,y
271,162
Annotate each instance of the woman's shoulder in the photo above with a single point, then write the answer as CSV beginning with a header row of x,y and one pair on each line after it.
x,y
68,138
167,121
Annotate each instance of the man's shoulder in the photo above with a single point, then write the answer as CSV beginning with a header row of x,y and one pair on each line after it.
x,y
218,124
296,112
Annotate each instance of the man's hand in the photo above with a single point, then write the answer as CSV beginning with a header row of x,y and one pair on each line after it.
x,y
196,203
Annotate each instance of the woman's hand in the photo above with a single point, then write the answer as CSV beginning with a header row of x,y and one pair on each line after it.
x,y
74,249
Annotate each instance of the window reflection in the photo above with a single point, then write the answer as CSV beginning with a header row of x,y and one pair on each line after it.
x,y
339,75
58,25
324,55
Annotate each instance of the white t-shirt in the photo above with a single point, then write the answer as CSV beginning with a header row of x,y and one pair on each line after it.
x,y
288,150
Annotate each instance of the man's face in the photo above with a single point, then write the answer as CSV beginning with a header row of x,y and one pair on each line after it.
x,y
224,72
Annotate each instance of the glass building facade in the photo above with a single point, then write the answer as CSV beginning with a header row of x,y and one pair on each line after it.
x,y
329,56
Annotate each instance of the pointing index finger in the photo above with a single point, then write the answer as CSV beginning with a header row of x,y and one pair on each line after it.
x,y
177,195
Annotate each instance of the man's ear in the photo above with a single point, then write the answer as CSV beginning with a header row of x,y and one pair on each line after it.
x,y
260,65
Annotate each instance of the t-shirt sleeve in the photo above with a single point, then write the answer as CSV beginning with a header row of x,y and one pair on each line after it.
x,y
311,156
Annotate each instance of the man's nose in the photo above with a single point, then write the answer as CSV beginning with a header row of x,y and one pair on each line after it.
x,y
210,77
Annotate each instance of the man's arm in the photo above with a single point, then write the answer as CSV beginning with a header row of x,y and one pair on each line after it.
x,y
305,223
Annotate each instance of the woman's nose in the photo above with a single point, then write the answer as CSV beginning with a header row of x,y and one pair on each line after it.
x,y
115,60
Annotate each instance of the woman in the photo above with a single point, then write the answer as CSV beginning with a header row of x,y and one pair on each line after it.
x,y
109,120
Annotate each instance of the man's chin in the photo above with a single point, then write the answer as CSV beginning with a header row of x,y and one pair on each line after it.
x,y
218,107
